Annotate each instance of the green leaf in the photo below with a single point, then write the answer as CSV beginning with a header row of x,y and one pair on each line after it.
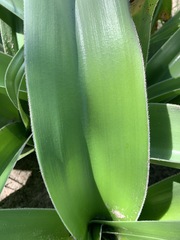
x,y
157,67
165,134
174,67
29,224
111,67
164,90
4,60
144,230
8,113
56,113
162,201
13,79
13,139
164,33
14,6
142,12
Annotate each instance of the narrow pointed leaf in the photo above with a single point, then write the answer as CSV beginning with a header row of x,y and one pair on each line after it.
x,y
164,33
165,134
112,122
162,201
31,224
157,67
56,113
164,90
14,6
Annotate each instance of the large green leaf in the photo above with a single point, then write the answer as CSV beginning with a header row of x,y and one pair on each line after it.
x,y
13,139
56,113
112,83
165,134
31,224
157,66
143,230
162,201
142,12
14,6
164,90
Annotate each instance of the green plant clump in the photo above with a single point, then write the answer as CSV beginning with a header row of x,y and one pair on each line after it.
x,y
97,87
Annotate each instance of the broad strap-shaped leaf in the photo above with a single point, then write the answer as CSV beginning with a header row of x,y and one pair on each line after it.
x,y
112,78
165,134
162,201
162,91
14,6
13,139
142,12
31,224
143,230
56,113
157,66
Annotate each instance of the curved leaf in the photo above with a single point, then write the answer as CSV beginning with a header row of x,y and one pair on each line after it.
x,y
13,79
157,66
165,134
107,47
164,90
31,224
164,33
162,201
56,113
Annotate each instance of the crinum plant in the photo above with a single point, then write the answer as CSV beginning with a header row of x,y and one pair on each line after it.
x,y
80,67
